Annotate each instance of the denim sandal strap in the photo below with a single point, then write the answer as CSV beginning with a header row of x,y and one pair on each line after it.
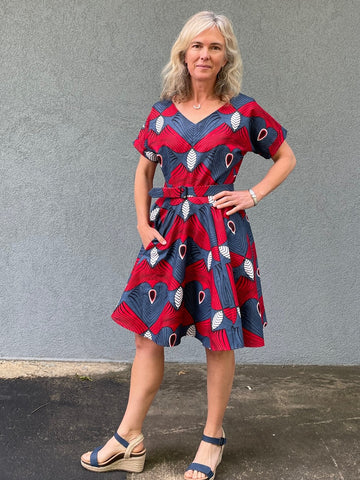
x,y
199,467
93,457
94,454
121,440
215,441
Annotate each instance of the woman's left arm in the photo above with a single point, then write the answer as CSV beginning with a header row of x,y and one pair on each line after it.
x,y
284,163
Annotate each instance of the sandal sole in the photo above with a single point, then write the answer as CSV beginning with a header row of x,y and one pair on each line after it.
x,y
132,465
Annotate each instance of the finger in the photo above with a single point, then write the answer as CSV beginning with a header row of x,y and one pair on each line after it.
x,y
160,238
233,210
217,196
223,200
225,204
224,193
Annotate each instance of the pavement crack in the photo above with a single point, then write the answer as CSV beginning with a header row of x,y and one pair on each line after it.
x,y
38,408
330,420
332,457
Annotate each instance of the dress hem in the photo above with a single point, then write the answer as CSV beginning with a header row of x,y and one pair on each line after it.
x,y
179,339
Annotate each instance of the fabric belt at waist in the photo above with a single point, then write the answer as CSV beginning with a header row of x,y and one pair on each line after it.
x,y
189,191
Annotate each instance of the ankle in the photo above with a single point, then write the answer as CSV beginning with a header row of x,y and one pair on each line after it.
x,y
128,434
214,431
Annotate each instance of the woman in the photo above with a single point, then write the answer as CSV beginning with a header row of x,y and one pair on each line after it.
x,y
197,272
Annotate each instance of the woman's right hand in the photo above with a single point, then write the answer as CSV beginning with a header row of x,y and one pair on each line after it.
x,y
148,234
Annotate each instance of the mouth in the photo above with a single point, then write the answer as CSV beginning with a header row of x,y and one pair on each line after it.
x,y
203,66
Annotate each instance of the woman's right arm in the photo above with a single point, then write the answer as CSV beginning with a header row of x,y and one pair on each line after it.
x,y
143,184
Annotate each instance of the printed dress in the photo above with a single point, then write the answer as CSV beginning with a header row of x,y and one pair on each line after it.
x,y
205,281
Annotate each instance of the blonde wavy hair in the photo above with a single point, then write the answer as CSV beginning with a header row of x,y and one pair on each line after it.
x,y
176,78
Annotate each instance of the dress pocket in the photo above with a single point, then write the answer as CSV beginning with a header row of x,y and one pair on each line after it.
x,y
152,244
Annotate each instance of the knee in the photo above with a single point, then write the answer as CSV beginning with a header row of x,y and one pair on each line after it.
x,y
148,347
220,353
220,356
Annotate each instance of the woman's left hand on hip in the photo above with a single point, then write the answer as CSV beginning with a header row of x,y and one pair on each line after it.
x,y
235,201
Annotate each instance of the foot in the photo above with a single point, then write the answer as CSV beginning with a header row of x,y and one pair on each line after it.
x,y
207,454
113,447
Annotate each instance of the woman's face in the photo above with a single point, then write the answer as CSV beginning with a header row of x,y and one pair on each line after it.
x,y
206,55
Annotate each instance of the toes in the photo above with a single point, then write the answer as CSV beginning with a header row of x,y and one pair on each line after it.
x,y
198,475
194,475
86,457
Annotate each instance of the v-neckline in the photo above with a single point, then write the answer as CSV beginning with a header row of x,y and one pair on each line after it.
x,y
205,118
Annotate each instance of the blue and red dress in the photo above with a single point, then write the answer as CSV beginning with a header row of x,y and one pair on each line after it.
x,y
205,281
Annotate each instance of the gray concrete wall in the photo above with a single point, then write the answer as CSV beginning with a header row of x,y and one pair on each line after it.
x,y
77,80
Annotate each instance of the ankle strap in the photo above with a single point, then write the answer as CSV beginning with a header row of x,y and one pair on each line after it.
x,y
215,441
121,440
129,445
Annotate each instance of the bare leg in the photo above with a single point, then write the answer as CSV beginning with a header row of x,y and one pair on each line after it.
x,y
220,375
146,377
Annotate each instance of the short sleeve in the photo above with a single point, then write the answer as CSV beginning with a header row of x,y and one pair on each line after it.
x,y
141,143
266,134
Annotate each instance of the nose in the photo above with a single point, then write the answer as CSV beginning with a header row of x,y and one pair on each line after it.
x,y
204,54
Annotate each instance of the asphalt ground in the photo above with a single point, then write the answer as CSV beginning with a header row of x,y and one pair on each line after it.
x,y
282,423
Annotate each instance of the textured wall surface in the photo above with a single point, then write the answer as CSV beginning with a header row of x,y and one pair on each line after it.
x,y
77,80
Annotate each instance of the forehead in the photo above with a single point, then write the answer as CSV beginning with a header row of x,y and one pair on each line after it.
x,y
212,35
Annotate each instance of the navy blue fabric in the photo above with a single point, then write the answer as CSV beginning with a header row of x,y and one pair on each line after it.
x,y
121,440
199,467
215,441
184,191
93,457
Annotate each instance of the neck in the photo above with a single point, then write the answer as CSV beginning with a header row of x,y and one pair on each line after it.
x,y
202,92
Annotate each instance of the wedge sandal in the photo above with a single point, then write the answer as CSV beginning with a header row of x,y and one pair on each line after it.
x,y
199,467
127,461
